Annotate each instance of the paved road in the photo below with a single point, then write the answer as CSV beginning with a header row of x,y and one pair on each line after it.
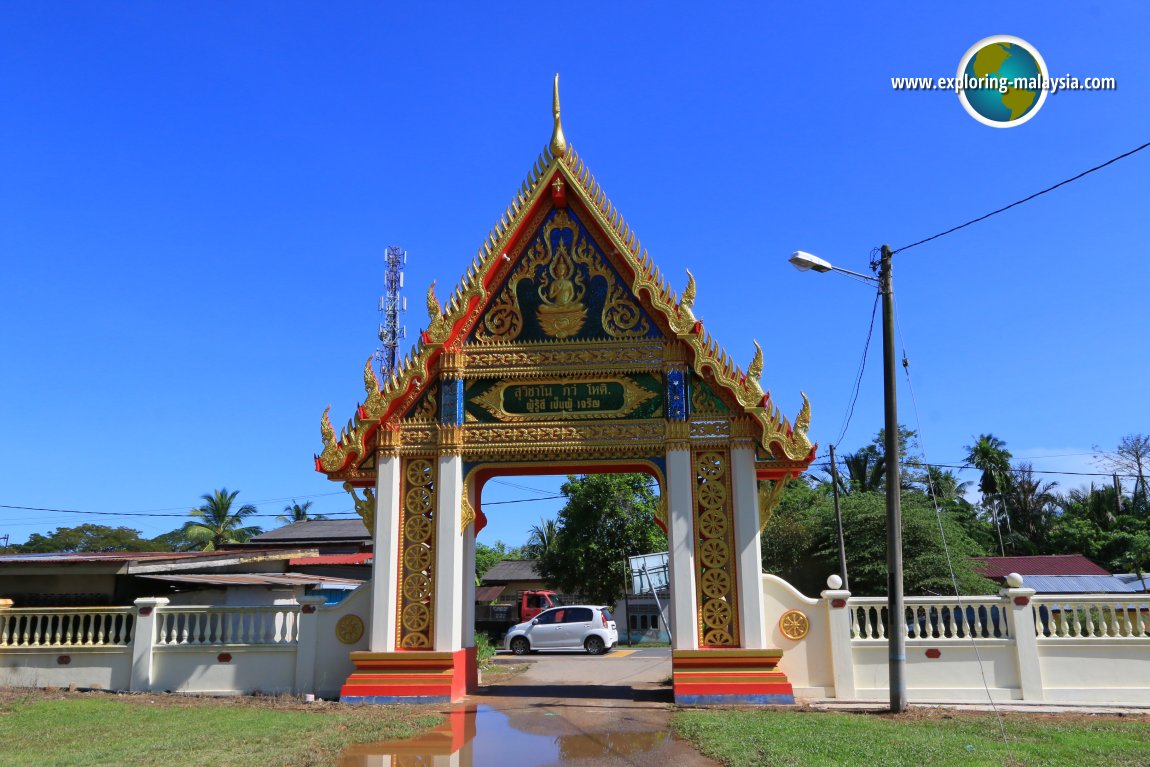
x,y
584,710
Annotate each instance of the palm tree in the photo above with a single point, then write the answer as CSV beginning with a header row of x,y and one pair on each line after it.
x,y
215,523
865,472
541,538
990,456
1031,502
945,487
295,512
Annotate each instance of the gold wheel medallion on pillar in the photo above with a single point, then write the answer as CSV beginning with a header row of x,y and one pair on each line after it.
x,y
713,553
415,642
419,472
717,638
710,466
713,523
716,612
417,557
712,495
417,529
417,587
716,583
419,500
416,617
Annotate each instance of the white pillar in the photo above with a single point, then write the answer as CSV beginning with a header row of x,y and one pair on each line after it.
x,y
306,644
748,556
681,544
385,557
449,555
143,639
1022,628
842,652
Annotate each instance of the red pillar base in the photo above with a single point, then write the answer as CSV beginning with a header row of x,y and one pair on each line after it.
x,y
729,677
411,676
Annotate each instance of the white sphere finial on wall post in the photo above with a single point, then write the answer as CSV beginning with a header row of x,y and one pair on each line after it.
x,y
1014,580
834,582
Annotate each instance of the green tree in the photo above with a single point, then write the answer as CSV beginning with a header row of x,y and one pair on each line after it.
x,y
608,517
926,569
296,512
85,538
487,557
174,540
215,523
541,538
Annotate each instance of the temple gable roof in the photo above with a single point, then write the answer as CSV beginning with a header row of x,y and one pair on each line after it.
x,y
561,266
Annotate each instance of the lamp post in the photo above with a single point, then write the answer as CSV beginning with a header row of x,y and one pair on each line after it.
x,y
896,614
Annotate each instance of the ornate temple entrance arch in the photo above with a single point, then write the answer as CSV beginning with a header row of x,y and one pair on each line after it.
x,y
563,349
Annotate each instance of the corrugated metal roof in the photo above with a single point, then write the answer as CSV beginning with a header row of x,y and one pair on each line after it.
x,y
316,530
361,558
1080,584
513,570
488,593
257,579
121,557
1051,564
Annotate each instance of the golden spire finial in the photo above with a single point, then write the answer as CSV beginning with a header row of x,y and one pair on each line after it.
x,y
558,142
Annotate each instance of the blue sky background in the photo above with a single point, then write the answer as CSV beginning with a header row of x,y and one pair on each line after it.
x,y
195,199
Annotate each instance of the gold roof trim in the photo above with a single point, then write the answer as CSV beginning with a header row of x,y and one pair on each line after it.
x,y
403,386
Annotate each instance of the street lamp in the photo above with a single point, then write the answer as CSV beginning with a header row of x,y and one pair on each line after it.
x,y
896,615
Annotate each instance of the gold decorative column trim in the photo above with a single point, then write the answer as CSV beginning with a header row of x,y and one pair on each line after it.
x,y
416,598
678,434
467,514
450,439
364,507
770,493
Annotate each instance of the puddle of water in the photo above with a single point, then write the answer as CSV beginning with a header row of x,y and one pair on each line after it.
x,y
475,736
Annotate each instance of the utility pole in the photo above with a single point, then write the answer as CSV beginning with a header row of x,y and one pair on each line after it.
x,y
839,521
896,613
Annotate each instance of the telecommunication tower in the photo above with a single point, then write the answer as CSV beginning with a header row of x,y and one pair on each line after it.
x,y
390,306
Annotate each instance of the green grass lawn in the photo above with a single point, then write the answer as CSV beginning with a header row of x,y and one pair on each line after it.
x,y
932,737
41,729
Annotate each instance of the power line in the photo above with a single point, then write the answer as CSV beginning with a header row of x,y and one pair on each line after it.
x,y
859,376
1015,469
1025,199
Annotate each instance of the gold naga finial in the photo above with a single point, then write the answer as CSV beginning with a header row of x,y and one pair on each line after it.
x,y
326,432
803,420
558,141
434,310
755,369
687,302
370,382
437,326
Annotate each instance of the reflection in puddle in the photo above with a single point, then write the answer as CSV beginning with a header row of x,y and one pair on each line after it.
x,y
475,736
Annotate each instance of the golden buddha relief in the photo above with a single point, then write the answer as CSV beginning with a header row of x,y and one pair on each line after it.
x,y
560,265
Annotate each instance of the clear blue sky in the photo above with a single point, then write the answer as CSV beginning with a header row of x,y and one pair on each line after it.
x,y
195,199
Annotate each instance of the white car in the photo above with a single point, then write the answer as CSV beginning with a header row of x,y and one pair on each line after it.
x,y
570,627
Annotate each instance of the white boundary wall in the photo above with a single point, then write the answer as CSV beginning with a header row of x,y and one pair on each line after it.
x,y
154,646
1014,646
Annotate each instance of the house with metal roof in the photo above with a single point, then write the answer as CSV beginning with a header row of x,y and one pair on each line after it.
x,y
1060,574
224,577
